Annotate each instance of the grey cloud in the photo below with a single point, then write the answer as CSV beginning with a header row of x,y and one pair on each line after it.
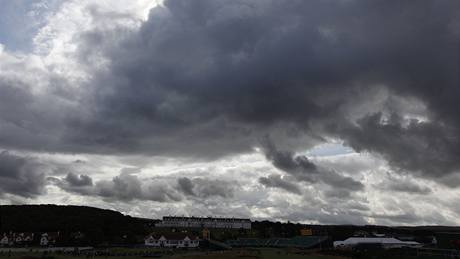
x,y
124,187
351,163
358,206
128,187
169,83
405,186
300,166
409,217
28,121
342,217
205,188
303,169
326,212
450,180
275,181
22,176
427,148
337,180
403,211
298,62
78,180
185,186
337,193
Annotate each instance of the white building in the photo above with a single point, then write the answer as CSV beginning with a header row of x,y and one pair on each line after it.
x,y
16,239
201,222
176,240
386,242
49,239
23,238
44,239
4,241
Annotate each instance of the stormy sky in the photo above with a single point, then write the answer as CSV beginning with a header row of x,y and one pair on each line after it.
x,y
322,111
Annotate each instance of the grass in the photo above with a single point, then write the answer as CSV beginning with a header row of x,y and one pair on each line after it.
x,y
265,253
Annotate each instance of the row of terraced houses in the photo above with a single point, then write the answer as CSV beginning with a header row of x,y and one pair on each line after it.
x,y
205,222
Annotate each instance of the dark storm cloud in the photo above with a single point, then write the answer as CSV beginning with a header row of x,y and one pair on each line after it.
x,y
205,188
428,148
185,185
303,169
208,78
78,180
29,121
275,181
81,184
22,176
214,76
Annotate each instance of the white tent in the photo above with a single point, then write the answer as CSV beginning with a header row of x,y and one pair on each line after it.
x,y
386,242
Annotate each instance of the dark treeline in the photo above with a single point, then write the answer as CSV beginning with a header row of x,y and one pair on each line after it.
x,y
97,225
267,229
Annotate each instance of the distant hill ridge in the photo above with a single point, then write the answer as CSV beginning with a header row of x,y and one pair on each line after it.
x,y
97,224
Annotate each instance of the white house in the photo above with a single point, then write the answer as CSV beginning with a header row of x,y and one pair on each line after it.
x,y
4,241
16,239
386,242
176,240
48,239
44,239
23,238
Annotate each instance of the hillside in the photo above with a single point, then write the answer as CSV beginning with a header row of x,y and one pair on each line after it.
x,y
97,224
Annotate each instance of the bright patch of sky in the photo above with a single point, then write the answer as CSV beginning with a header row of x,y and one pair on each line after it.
x,y
21,19
330,149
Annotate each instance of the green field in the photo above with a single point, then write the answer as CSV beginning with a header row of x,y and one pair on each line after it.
x,y
260,254
236,253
